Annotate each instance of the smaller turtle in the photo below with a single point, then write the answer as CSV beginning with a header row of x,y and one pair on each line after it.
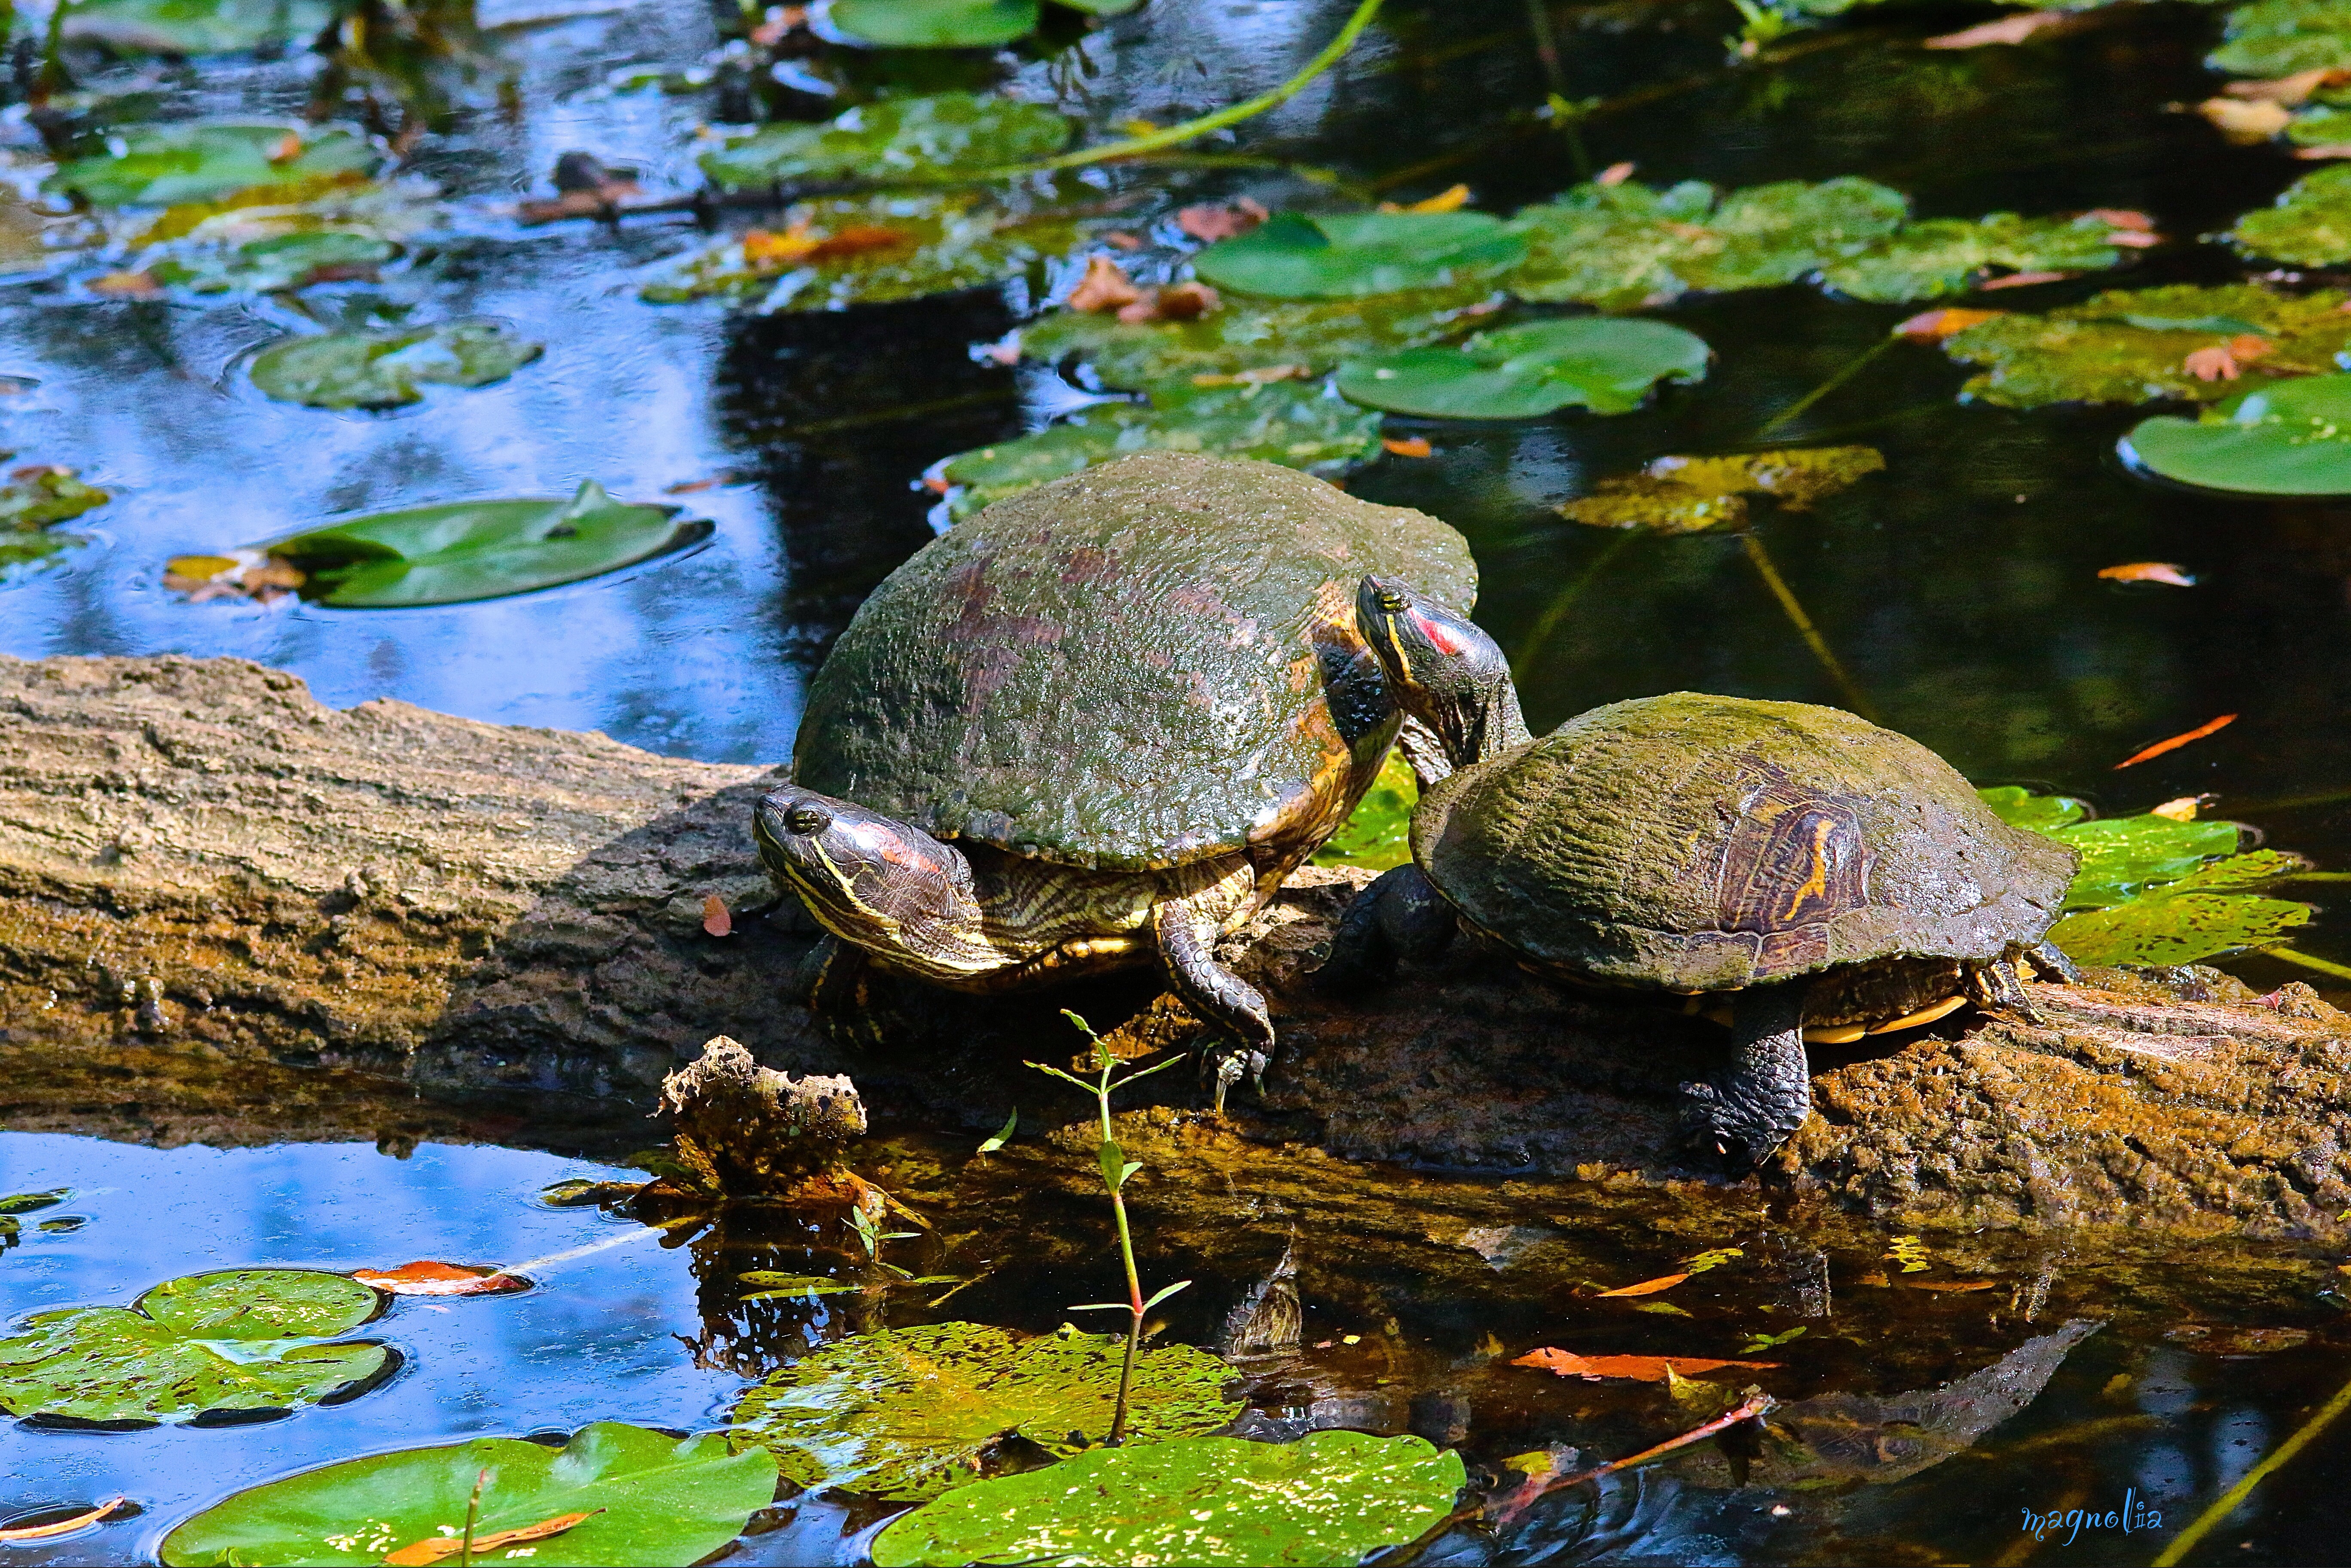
x,y
1824,877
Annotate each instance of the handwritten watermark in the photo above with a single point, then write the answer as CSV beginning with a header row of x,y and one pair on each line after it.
x,y
2133,1514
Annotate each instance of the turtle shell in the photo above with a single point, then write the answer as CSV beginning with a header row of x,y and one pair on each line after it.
x,y
1150,663
1705,843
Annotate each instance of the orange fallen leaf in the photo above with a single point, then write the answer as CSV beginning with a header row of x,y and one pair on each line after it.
x,y
1877,1281
2134,239
1105,286
425,1278
2210,363
1256,375
2176,741
1646,1287
1934,326
766,248
1119,239
1615,174
1185,301
2021,280
2246,121
693,487
1447,201
715,919
2182,809
1409,447
2289,90
1948,1284
2248,347
286,147
65,1526
126,285
1209,223
2149,571
856,240
2007,30
2122,218
432,1548
2332,150
1641,1368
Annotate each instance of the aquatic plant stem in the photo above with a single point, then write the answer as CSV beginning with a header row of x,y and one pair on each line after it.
x,y
1539,635
473,1517
1804,625
2227,1502
1851,369
2292,956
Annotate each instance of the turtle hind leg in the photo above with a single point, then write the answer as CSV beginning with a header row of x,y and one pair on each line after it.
x,y
1186,934
1399,915
1757,1101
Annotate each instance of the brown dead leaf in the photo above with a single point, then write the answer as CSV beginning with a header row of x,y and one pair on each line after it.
x,y
2289,90
1119,239
2211,363
856,240
767,247
1934,326
1615,174
2147,571
2246,121
715,919
2176,741
1256,375
287,148
1948,1284
2182,809
1639,1368
1446,201
1409,446
1210,222
595,201
425,1278
65,1526
1646,1287
434,1548
1876,1280
1186,301
2021,280
2122,218
694,487
2012,29
2332,150
1105,286
126,285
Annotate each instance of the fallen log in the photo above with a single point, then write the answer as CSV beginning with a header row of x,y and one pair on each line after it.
x,y
202,864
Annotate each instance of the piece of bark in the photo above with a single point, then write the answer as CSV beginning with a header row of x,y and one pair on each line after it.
x,y
747,1130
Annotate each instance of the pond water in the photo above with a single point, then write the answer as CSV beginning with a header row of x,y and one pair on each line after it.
x,y
1958,591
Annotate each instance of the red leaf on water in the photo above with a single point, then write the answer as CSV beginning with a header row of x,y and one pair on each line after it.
x,y
434,1548
426,1278
1615,174
2149,571
1209,223
1407,446
2176,741
2022,280
1641,1368
1934,326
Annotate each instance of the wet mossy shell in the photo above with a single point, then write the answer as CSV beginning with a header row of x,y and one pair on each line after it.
x,y
1143,665
1705,843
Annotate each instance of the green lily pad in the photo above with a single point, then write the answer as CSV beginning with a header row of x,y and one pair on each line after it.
x,y
911,1413
2021,808
935,24
1352,256
2278,37
295,261
2124,856
653,1499
2133,345
34,1202
2309,224
1619,246
2322,125
1377,834
1606,364
2288,438
866,250
1329,1498
240,1340
1294,423
198,27
469,550
386,370
202,160
34,498
1951,256
897,140
1242,334
1692,494
2177,928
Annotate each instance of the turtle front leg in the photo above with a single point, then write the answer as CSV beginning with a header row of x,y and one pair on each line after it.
x,y
1999,987
1187,930
1756,1102
1399,915
2049,961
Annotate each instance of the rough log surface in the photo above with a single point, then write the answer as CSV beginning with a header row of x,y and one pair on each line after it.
x,y
201,866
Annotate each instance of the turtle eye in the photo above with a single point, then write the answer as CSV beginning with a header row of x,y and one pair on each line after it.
x,y
806,821
1394,603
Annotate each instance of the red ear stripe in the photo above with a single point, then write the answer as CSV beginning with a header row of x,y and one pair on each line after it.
x,y
1445,641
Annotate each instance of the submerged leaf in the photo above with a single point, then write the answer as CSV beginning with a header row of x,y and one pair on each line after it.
x,y
1354,255
1241,335
1639,1368
385,370
1294,423
634,1499
202,160
1951,256
1377,833
1691,495
935,24
1331,1496
911,1413
1608,365
896,140
2290,438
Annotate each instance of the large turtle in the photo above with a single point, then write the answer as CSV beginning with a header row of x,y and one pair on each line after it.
x,y
1826,877
1098,723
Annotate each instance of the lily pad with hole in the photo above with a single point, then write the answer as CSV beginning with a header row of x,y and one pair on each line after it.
x,y
198,27
386,370
1242,334
1607,364
1330,1497
1377,835
1692,494
896,140
1295,423
204,160
1619,246
2275,38
830,255
1942,256
911,1413
2308,226
1354,255
649,1500
2288,438
2136,345
470,550
242,1340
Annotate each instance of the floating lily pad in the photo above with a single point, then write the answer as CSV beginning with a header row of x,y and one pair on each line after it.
x,y
1951,256
910,1413
1691,495
2279,37
471,550
2168,928
386,370
241,1340
1329,1498
2288,438
2309,226
834,253
1354,255
2134,346
1377,834
1242,334
2124,856
34,1202
935,24
2021,808
2320,126
34,498
198,27
1294,423
1608,365
200,161
905,138
650,1500
1618,247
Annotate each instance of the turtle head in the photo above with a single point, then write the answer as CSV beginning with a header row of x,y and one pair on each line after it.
x,y
1444,671
869,879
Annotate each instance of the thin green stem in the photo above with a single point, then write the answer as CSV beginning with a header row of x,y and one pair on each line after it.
x,y
1539,636
1804,627
2324,965
2228,1501
473,1511
1851,369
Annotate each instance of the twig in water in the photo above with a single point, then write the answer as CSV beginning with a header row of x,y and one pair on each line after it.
x,y
1851,369
2227,1502
1804,625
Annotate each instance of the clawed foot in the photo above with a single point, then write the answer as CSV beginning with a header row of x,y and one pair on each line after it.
x,y
1714,1128
1225,1061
